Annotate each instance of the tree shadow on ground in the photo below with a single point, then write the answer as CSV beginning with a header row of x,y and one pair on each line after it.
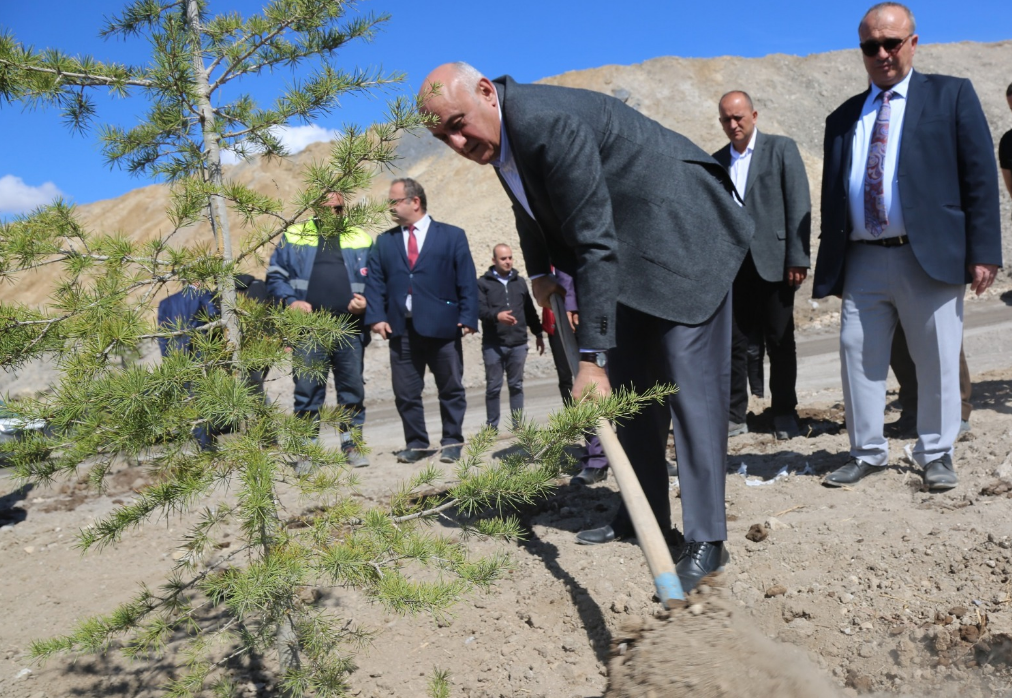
x,y
10,514
993,395
110,675
590,612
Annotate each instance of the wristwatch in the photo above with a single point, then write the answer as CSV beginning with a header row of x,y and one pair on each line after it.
x,y
597,357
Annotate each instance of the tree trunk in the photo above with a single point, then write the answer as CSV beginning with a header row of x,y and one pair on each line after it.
x,y
217,211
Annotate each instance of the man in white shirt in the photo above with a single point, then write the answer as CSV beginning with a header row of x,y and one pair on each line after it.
x,y
910,215
770,180
422,295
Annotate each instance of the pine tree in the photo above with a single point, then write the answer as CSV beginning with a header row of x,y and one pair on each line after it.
x,y
108,408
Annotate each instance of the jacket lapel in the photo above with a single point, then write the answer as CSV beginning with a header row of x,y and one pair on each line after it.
x,y
912,114
432,237
847,149
760,158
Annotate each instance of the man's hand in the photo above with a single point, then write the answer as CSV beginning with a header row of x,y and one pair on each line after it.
x,y
574,319
539,342
382,329
796,275
543,287
467,330
357,304
982,276
506,318
591,382
302,306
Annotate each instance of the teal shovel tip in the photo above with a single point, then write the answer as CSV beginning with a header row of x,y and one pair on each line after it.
x,y
668,587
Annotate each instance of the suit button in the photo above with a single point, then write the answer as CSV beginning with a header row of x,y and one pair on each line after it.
x,y
411,276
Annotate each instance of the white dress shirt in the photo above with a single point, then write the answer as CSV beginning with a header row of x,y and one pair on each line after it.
x,y
421,229
859,162
740,162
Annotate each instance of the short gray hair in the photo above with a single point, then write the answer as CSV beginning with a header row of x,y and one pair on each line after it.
x,y
875,9
412,189
468,75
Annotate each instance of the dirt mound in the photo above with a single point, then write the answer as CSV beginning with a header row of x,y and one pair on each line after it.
x,y
708,650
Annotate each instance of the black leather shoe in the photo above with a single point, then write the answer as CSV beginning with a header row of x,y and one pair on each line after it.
x,y
596,536
410,455
590,476
451,454
849,473
785,427
940,474
698,560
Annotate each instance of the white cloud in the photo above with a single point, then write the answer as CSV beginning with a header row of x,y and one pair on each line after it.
x,y
296,138
18,197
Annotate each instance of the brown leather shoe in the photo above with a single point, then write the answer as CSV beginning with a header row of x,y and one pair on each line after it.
x,y
850,472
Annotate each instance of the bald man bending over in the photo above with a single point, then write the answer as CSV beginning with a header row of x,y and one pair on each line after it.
x,y
647,225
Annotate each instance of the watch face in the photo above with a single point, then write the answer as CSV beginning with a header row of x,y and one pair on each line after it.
x,y
602,359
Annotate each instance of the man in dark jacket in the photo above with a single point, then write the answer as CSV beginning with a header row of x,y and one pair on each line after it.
x,y
506,312
423,297
310,272
188,309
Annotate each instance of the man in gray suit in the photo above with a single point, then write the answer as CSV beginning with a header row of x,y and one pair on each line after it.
x,y
770,178
646,223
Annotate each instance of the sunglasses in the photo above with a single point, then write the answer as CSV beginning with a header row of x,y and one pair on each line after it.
x,y
871,47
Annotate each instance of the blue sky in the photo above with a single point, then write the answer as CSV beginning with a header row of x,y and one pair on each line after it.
x,y
529,39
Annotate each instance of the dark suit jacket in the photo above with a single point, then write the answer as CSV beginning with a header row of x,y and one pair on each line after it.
x,y
948,183
634,211
776,196
444,289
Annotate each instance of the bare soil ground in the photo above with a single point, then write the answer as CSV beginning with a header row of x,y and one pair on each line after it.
x,y
880,588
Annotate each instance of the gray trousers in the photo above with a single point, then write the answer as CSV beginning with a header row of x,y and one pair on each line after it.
x,y
697,358
883,286
499,360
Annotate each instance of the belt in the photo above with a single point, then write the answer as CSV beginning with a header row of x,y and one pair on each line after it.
x,y
898,241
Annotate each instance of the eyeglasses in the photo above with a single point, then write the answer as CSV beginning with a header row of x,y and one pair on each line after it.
x,y
394,202
892,45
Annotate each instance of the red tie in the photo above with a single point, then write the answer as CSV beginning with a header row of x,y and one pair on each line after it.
x,y
412,247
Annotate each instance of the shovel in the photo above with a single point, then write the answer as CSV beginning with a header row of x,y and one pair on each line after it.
x,y
648,533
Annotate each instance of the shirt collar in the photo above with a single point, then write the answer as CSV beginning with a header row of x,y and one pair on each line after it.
x,y
900,89
748,149
421,225
504,143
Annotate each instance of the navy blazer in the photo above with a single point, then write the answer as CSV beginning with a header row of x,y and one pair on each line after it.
x,y
948,183
444,285
184,310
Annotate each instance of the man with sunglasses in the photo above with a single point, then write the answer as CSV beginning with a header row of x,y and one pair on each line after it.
x,y
909,217
310,271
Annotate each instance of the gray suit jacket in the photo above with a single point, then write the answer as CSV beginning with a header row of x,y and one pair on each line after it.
x,y
635,212
776,196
